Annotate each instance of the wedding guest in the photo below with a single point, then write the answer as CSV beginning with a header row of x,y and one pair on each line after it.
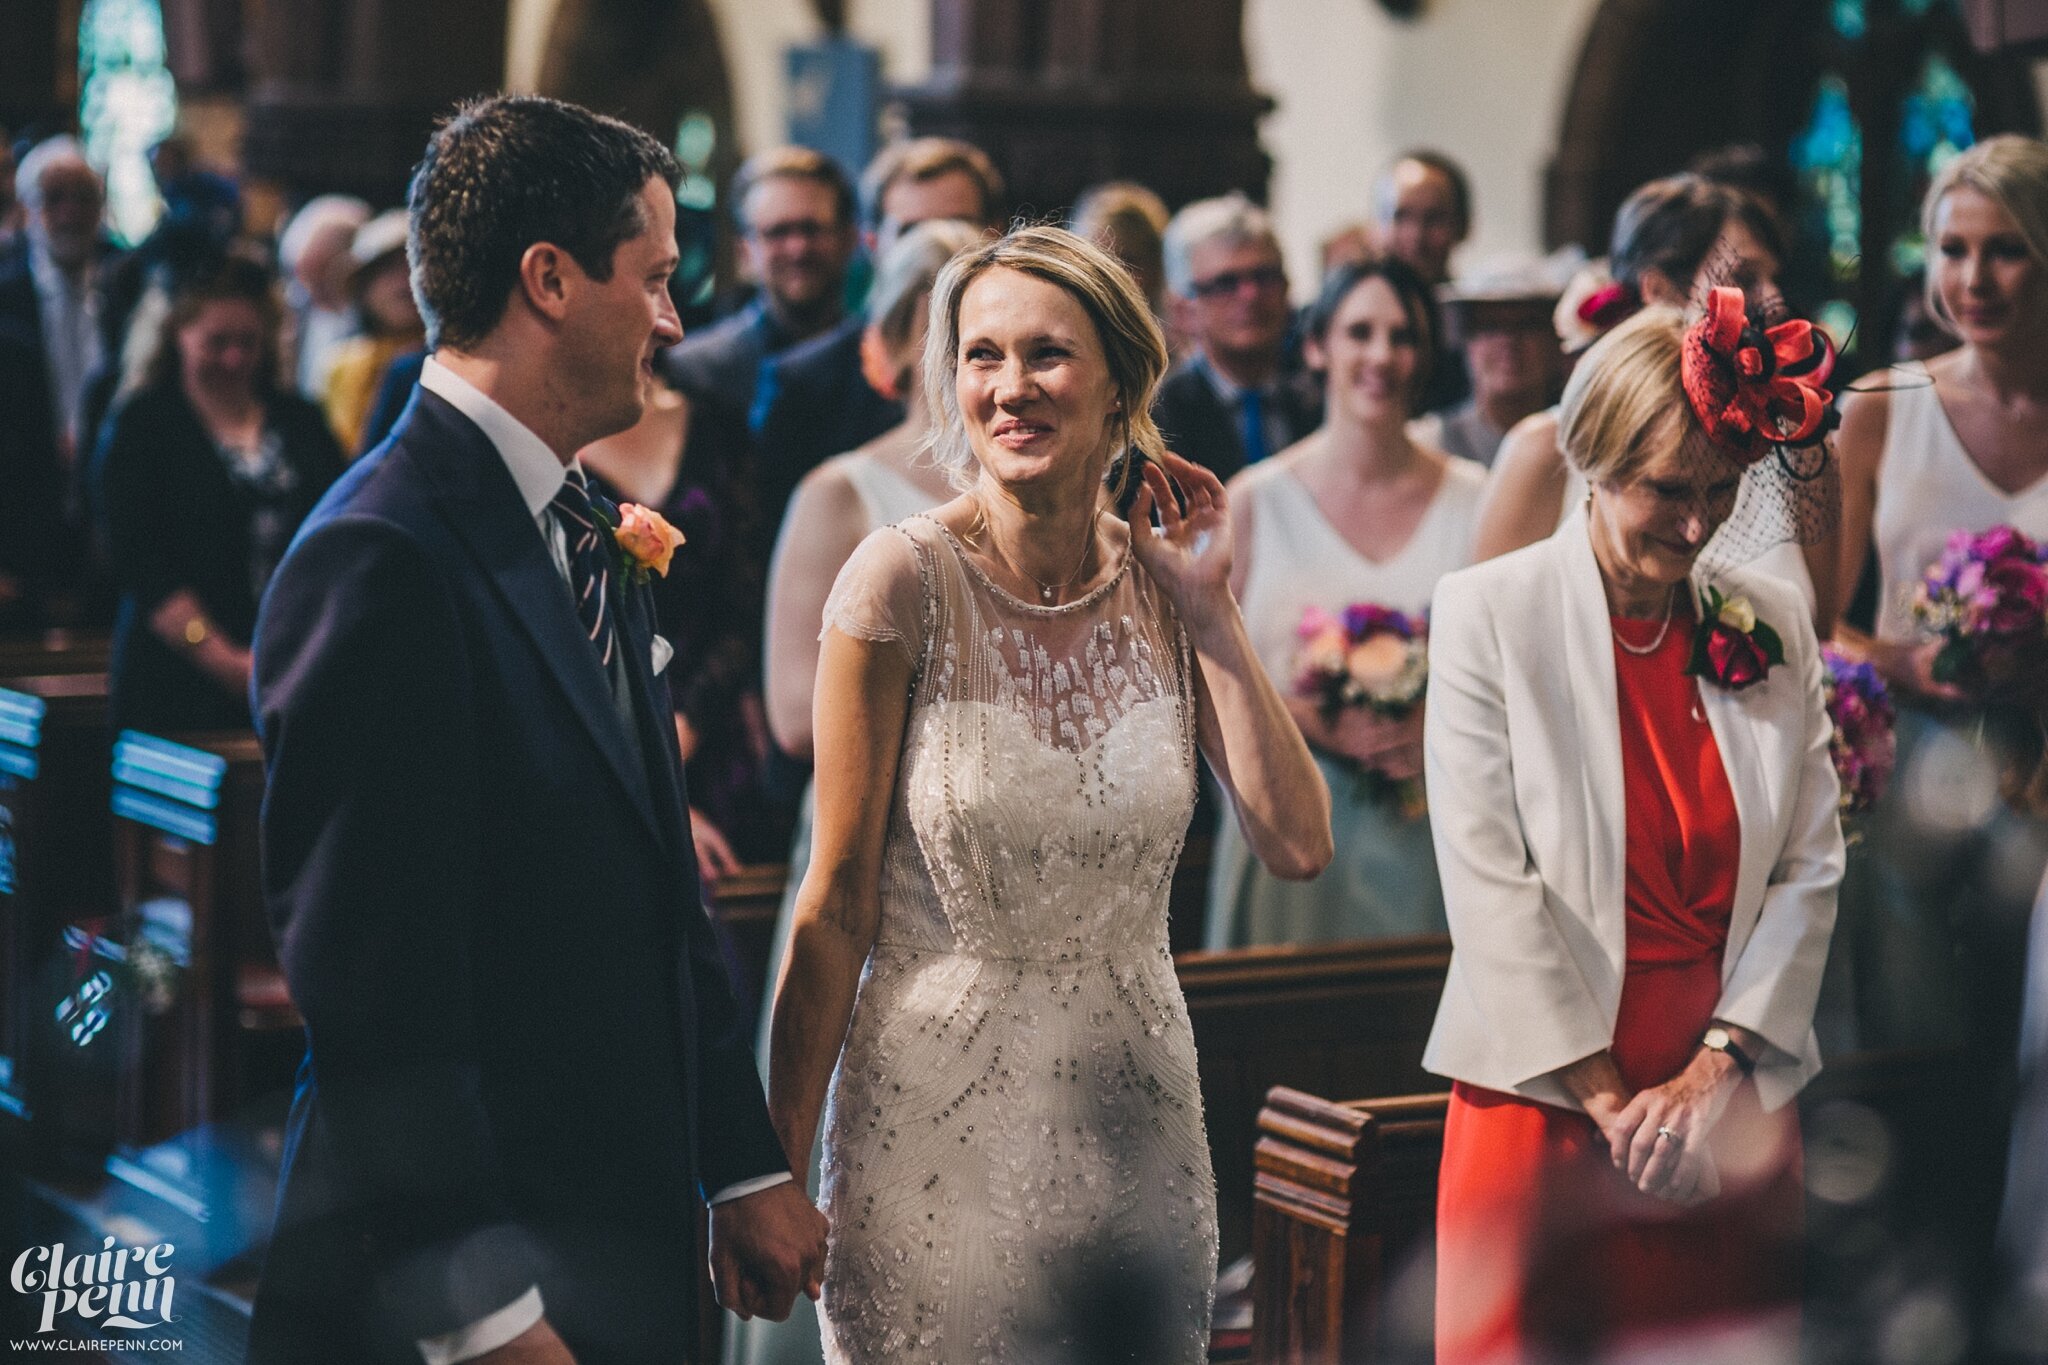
x,y
794,210
1422,206
201,479
1129,222
1422,212
1356,513
1233,401
1959,442
708,608
814,400
1664,234
1929,448
312,253
1640,869
1501,325
836,507
380,286
1011,690
922,178
48,284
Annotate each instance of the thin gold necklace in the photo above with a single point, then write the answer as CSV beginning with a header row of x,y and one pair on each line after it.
x,y
1670,602
1045,590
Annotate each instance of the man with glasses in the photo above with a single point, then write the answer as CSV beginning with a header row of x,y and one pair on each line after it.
x,y
795,211
1234,400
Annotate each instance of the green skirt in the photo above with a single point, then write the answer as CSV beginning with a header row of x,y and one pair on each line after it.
x,y
1382,883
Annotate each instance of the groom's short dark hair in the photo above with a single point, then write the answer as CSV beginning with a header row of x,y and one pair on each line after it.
x,y
509,171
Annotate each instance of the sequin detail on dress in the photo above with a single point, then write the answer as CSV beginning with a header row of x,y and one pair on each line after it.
x,y
1017,1097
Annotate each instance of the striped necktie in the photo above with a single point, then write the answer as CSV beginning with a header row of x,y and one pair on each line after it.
x,y
590,577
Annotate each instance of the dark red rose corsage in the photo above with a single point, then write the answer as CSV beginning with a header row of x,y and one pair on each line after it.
x,y
1730,646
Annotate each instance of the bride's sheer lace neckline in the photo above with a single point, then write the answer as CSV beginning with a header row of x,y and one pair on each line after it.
x,y
1010,599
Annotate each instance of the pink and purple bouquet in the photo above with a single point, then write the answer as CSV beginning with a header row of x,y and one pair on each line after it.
x,y
1863,746
1368,656
1987,600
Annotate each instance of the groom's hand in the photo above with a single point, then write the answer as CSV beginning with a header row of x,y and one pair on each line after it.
x,y
765,1248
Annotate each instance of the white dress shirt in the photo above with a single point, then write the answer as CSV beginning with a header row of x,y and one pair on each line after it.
x,y
69,313
538,473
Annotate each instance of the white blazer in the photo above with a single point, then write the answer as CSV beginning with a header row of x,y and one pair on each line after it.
x,y
1522,753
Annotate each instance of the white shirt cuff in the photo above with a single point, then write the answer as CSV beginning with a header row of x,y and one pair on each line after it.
x,y
739,1189
487,1334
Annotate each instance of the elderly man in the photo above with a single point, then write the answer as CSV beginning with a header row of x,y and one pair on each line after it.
x,y
1233,401
794,210
47,283
312,254
49,345
1501,324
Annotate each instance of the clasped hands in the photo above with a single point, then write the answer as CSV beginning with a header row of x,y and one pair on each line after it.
x,y
1658,1136
766,1247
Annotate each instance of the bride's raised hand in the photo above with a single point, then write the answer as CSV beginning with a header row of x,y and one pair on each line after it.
x,y
1188,551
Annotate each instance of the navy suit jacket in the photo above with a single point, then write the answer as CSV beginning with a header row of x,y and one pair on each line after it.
x,y
814,403
524,1065
720,366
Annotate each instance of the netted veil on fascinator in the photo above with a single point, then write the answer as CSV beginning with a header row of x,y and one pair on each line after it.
x,y
1756,378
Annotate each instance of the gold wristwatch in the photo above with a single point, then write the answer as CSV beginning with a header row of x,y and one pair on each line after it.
x,y
1718,1039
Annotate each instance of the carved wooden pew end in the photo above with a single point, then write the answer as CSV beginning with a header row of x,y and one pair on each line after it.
x,y
1343,1226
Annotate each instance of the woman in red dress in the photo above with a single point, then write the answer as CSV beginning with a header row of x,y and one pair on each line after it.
x,y
1635,814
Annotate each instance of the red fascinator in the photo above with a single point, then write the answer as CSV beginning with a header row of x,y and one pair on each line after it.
x,y
1754,387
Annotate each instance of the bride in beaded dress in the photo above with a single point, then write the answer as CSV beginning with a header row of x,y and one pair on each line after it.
x,y
1010,695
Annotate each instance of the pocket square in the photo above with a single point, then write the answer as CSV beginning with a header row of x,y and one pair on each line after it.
x,y
662,651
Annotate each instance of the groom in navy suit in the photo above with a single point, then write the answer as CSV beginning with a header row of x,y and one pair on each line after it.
x,y
524,1061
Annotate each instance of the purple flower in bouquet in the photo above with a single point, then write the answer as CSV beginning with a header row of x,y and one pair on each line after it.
x,y
1986,599
1863,746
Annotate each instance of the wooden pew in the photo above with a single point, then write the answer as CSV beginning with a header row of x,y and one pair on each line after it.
x,y
54,651
1345,1201
56,844
187,867
1331,1019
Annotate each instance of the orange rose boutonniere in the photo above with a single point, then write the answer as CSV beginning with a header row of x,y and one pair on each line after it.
x,y
646,541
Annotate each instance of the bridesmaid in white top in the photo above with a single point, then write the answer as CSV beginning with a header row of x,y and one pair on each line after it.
x,y
1356,512
1957,443
833,510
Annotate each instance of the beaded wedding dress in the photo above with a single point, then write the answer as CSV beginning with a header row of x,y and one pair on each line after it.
x,y
1013,1140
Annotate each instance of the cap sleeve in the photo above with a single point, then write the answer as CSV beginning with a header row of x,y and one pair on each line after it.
x,y
879,595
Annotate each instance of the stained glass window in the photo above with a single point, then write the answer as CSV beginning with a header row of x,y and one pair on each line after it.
x,y
1829,158
127,104
1924,124
696,209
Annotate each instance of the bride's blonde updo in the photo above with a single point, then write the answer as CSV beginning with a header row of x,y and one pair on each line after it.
x,y
1132,343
